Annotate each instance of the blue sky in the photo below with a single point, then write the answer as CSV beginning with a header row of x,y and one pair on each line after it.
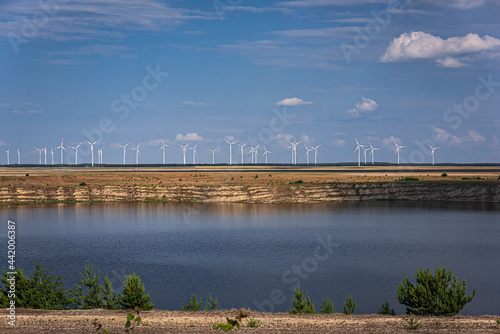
x,y
323,71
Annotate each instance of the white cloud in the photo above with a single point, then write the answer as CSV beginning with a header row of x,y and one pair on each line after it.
x,y
189,137
230,138
3,143
445,137
390,141
293,101
282,139
327,3
421,45
306,139
363,106
199,104
338,142
459,4
450,62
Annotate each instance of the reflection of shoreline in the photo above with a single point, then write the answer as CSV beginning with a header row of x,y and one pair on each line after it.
x,y
277,194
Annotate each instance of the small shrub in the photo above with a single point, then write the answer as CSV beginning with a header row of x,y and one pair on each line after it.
x,y
110,298
327,307
439,294
98,327
256,176
412,323
444,174
193,305
407,179
133,321
211,304
253,323
498,178
133,294
385,309
302,303
349,305
82,184
231,323
89,291
27,175
297,182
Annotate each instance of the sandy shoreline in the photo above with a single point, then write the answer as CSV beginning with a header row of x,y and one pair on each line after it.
x,y
80,321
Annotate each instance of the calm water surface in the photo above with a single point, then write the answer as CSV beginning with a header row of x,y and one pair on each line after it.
x,y
253,255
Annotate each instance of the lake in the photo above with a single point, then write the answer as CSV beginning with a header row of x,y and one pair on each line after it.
x,y
255,254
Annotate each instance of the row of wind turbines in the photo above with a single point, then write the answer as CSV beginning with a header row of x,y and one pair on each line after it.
x,y
184,148
373,149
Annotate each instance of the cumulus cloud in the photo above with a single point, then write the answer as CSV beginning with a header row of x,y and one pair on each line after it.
x,y
306,139
338,142
459,4
3,143
421,45
189,137
282,139
199,104
450,62
390,141
363,106
293,101
445,137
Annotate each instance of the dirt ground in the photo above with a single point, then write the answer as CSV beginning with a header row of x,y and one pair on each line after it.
x,y
237,175
81,321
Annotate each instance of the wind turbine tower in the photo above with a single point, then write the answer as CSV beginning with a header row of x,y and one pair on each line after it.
x,y
194,153
266,152
432,153
372,153
294,151
163,146
315,153
52,154
184,150
45,153
76,154
358,148
61,147
124,151
8,156
137,153
308,149
242,151
230,150
39,155
18,156
397,149
213,154
99,155
92,150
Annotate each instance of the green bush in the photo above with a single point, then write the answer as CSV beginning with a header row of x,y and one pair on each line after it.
x,y
444,174
349,305
327,307
439,294
385,309
193,305
211,304
302,303
89,291
42,290
110,298
133,294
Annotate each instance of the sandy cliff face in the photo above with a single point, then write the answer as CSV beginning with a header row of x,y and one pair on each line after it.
x,y
303,193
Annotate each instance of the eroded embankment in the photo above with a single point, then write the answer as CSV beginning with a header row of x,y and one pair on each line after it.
x,y
290,193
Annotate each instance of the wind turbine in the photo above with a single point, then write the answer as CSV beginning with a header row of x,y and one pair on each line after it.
x,y
397,149
76,154
372,153
92,150
315,152
358,148
252,151
194,153
364,152
8,156
61,147
52,154
184,149
230,150
213,154
308,149
163,146
45,153
18,156
242,151
124,151
137,153
39,155
432,153
294,151
266,152
99,155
